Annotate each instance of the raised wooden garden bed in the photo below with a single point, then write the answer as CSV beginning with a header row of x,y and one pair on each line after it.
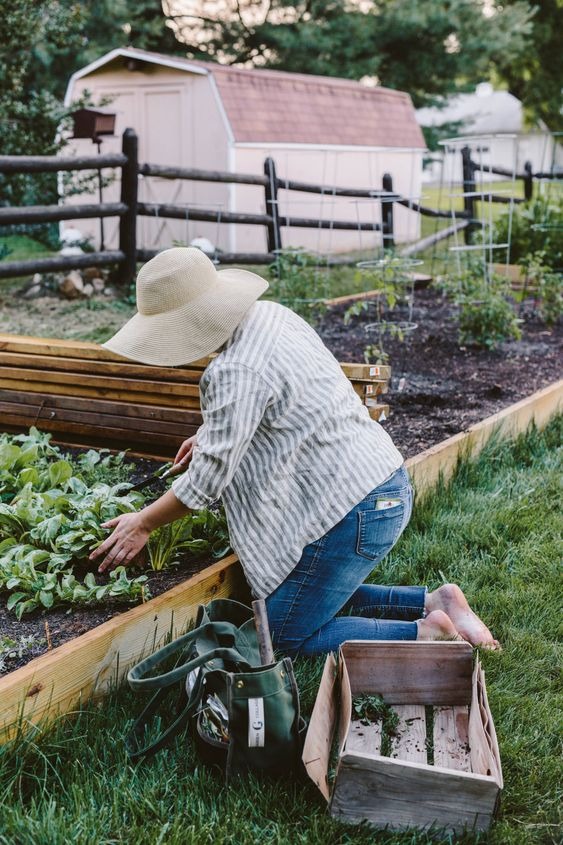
x,y
57,681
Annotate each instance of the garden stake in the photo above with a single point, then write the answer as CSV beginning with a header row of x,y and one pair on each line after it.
x,y
263,632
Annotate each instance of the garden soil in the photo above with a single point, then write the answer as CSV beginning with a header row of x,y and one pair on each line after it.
x,y
438,389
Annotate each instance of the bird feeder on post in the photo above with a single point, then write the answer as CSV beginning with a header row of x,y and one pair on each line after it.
x,y
93,123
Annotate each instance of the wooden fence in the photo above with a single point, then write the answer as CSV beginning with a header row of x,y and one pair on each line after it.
x,y
129,208
472,195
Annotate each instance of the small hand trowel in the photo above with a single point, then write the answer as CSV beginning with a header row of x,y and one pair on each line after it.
x,y
161,476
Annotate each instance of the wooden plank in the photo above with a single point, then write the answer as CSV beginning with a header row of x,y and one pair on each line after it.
x,y
352,297
440,461
138,386
488,723
169,442
92,663
318,741
365,371
122,409
398,794
378,412
451,738
40,415
364,738
372,388
484,752
409,743
97,392
73,349
88,365
410,672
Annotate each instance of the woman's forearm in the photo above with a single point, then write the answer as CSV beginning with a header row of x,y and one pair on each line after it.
x,y
166,509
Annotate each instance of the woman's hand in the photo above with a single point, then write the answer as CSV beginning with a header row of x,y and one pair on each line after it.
x,y
129,536
186,451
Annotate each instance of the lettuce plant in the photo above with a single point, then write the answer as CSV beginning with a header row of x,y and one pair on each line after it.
x,y
52,507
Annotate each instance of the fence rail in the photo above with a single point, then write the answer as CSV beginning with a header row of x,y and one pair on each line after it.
x,y
128,209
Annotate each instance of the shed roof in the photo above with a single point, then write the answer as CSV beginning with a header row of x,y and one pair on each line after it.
x,y
270,106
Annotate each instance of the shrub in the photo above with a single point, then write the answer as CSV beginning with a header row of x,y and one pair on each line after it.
x,y
537,226
547,286
486,310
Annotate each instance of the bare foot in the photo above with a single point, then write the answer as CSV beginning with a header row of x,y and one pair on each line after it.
x,y
437,626
450,599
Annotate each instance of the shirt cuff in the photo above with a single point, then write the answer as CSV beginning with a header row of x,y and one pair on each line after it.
x,y
189,495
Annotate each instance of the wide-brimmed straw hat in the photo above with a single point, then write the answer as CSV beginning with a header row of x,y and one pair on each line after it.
x,y
186,308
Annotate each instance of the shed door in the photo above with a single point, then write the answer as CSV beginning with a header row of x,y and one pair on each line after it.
x,y
162,142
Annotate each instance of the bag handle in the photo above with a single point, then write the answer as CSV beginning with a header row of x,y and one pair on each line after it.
x,y
161,684
136,674
134,752
180,672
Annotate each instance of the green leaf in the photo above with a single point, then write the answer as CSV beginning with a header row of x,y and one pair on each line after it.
x,y
14,599
46,598
59,472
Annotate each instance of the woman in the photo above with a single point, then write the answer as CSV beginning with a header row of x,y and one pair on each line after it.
x,y
315,492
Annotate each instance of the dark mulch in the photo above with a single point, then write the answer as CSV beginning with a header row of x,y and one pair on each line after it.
x,y
437,390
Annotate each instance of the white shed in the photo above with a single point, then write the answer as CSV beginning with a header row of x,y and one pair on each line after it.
x,y
328,131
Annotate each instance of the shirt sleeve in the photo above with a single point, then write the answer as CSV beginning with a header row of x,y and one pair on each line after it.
x,y
233,404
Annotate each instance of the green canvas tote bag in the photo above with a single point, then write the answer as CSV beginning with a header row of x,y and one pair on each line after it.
x,y
243,715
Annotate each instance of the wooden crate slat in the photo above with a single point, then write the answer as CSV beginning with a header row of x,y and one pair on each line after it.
x,y
364,738
409,743
451,738
93,367
122,409
399,793
438,674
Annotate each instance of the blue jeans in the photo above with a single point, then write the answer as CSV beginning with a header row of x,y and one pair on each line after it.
x,y
328,580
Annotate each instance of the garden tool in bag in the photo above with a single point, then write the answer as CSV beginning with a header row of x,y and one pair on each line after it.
x,y
243,715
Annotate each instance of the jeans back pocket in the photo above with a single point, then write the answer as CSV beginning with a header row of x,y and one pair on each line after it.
x,y
378,531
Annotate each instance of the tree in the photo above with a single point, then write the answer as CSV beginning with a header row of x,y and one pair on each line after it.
x,y
101,26
30,115
537,78
430,48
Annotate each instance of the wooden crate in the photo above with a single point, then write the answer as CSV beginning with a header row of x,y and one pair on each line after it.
x,y
443,769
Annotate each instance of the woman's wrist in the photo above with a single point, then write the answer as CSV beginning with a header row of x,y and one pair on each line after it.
x,y
166,509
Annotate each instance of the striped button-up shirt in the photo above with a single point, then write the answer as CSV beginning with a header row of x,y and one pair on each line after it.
x,y
285,443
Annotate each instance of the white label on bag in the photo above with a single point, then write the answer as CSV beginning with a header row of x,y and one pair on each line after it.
x,y
256,732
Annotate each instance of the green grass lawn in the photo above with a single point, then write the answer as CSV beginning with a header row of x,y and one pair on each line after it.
x,y
496,530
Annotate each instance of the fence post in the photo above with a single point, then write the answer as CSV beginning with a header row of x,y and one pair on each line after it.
x,y
468,188
128,223
387,223
528,180
271,190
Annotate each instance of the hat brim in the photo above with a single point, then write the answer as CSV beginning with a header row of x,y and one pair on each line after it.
x,y
182,336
